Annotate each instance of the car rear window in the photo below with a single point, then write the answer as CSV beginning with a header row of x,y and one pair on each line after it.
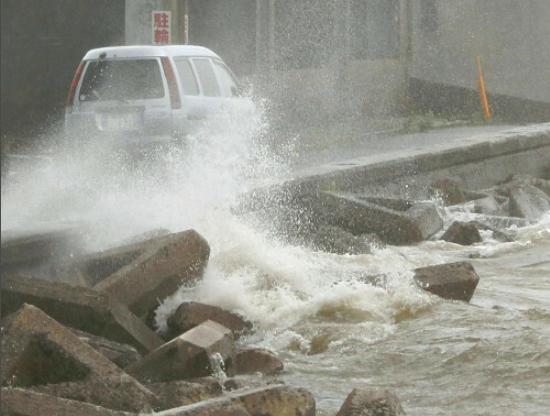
x,y
128,79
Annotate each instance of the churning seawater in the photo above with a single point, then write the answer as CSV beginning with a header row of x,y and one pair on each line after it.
x,y
319,311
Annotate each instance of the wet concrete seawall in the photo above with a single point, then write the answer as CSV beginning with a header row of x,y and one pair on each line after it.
x,y
479,161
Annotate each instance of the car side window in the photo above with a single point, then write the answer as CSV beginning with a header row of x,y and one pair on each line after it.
x,y
207,77
227,82
187,77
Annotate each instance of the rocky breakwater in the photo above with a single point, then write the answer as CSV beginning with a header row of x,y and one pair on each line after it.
x,y
85,347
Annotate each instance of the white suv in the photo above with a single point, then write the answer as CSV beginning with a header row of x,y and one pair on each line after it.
x,y
146,94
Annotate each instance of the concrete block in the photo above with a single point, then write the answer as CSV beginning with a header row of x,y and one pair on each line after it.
x,y
22,402
336,240
27,250
190,355
462,233
190,314
38,351
371,402
222,408
449,190
257,360
528,201
395,221
122,355
499,235
499,222
181,393
273,400
456,281
158,272
78,307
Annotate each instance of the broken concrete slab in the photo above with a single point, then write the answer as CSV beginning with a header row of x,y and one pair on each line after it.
x,y
498,222
499,235
462,233
122,355
78,307
489,205
181,393
207,408
455,281
541,183
273,400
190,314
338,241
528,201
371,402
395,221
23,402
26,249
158,272
38,351
257,360
449,190
188,356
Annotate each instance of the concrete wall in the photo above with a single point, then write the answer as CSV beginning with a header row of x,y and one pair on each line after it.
x,y
512,37
321,60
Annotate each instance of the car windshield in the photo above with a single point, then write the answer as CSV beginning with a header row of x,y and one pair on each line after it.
x,y
129,79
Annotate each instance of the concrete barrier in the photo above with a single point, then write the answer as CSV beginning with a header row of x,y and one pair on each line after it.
x,y
190,314
23,402
395,221
187,356
78,307
157,271
39,352
276,399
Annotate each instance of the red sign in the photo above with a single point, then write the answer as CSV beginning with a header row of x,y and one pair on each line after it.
x,y
162,27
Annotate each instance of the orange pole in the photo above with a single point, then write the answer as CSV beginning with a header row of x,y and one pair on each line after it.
x,y
483,92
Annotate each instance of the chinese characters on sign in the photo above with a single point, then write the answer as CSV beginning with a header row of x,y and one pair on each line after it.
x,y
162,28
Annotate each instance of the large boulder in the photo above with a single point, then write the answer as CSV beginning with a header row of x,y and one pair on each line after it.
x,y
23,402
78,307
257,360
395,221
38,352
463,233
371,402
190,314
193,354
158,272
455,281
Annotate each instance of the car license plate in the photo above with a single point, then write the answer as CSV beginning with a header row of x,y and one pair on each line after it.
x,y
118,122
